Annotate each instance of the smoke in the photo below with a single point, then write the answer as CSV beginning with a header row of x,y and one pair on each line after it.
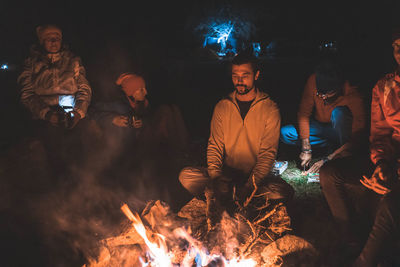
x,y
89,209
73,211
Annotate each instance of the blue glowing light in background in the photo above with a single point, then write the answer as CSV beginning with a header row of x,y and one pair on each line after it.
x,y
220,36
256,49
4,67
328,46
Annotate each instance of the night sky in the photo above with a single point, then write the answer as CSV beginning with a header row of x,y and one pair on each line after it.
x,y
158,39
167,24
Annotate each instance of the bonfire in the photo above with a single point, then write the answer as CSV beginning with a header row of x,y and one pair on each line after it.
x,y
204,234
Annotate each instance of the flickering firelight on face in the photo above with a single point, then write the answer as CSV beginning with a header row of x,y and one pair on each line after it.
x,y
135,89
243,78
52,43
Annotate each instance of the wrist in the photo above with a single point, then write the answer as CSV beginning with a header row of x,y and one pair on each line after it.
x,y
77,115
305,143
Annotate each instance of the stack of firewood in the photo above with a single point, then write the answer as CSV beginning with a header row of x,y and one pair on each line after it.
x,y
232,236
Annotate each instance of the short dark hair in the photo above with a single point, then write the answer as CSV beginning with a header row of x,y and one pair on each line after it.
x,y
329,76
245,58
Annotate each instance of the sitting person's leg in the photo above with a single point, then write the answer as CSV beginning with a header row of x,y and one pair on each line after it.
x,y
320,134
194,179
385,232
341,187
289,135
342,120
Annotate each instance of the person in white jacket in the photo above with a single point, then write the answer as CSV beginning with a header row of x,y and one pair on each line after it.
x,y
55,92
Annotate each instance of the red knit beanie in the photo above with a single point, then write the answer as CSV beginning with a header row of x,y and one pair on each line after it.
x,y
130,81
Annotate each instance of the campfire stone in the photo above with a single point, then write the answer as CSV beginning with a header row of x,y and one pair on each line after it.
x,y
290,250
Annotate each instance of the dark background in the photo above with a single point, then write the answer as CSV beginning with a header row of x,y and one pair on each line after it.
x,y
158,39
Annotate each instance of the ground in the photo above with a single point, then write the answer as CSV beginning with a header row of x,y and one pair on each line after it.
x,y
311,217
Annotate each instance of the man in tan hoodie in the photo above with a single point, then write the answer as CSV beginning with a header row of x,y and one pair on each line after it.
x,y
243,141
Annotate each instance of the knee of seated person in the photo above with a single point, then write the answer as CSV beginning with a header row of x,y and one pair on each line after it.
x,y
340,112
326,173
287,135
183,176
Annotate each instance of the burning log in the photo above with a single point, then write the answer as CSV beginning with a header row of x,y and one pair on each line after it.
x,y
161,238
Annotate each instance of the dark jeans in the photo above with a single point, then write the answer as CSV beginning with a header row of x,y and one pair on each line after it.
x,y
335,134
355,207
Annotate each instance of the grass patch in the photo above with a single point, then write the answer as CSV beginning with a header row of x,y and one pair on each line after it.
x,y
295,178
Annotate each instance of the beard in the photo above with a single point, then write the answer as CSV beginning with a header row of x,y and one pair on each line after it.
x,y
245,91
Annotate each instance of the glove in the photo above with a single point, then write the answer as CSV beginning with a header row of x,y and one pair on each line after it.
x,y
73,117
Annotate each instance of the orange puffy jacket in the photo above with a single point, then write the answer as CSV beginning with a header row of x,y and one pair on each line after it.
x,y
385,120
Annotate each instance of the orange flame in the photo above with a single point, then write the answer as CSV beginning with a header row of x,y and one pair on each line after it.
x,y
160,257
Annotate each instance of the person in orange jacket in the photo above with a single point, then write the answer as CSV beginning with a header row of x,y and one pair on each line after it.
x,y
339,115
354,186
